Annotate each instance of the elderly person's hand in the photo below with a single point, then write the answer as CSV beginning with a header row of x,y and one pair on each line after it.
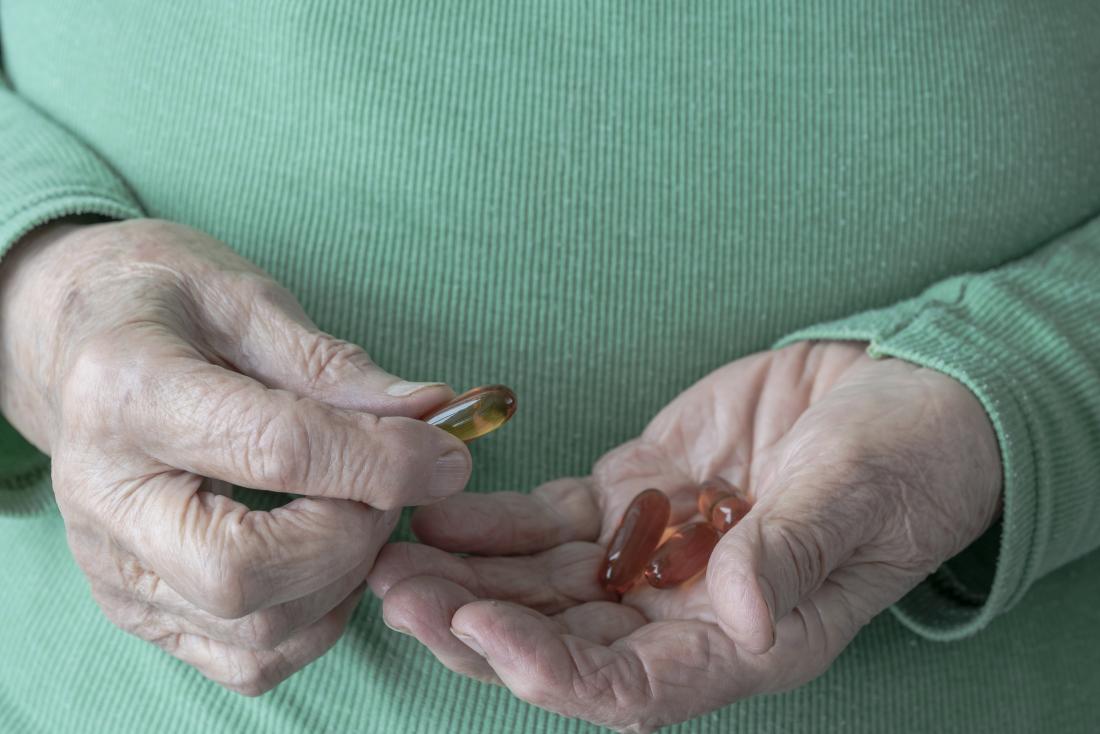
x,y
156,367
866,475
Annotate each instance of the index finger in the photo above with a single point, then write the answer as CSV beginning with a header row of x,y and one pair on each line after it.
x,y
511,523
221,424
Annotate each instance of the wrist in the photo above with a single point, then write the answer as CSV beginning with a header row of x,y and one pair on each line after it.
x,y
35,278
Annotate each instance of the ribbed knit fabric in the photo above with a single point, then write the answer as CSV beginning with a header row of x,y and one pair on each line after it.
x,y
597,204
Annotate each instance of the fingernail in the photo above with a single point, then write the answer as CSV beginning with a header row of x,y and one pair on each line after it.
x,y
401,389
469,642
449,476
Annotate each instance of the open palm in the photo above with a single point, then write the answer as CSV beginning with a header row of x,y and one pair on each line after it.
x,y
865,476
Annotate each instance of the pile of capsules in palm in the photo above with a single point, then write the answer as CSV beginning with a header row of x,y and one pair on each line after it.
x,y
636,549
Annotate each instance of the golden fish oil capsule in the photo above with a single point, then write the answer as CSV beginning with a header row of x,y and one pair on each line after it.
x,y
682,556
635,539
475,412
711,491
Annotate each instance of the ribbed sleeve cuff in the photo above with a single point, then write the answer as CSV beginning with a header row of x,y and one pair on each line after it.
x,y
21,216
47,173
971,589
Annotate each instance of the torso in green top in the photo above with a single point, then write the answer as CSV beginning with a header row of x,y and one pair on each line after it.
x,y
595,203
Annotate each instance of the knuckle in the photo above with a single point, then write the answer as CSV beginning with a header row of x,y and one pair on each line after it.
x,y
280,450
326,360
249,676
376,467
252,297
138,580
93,366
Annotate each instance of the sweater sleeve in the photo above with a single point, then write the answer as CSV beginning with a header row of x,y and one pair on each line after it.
x,y
1025,339
45,173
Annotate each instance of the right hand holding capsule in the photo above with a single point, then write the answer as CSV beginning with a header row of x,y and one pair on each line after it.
x,y
158,368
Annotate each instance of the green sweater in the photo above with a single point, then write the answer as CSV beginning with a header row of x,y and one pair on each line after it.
x,y
597,203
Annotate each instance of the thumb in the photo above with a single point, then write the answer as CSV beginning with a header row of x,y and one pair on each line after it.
x,y
781,552
279,346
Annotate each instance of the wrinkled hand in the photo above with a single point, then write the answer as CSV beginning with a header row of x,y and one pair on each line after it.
x,y
866,475
156,367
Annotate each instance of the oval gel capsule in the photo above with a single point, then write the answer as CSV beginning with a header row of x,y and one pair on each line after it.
x,y
711,491
475,412
635,539
728,512
682,556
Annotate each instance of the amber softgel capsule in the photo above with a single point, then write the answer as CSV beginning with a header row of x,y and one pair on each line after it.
x,y
475,412
682,556
711,491
722,504
728,511
635,539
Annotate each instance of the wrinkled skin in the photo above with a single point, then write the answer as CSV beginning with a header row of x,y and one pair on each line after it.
x,y
158,368
865,474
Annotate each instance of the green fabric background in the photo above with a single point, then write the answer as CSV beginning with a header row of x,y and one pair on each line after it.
x,y
597,204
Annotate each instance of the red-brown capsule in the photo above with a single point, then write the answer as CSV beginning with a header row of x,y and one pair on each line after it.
x,y
683,555
728,512
712,490
475,412
634,541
